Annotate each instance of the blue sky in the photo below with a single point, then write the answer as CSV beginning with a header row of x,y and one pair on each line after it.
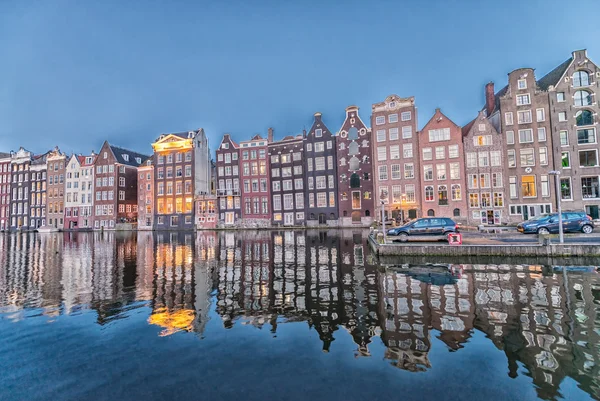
x,y
74,73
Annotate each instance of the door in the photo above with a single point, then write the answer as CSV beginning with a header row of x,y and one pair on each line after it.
x,y
490,217
229,218
525,213
484,219
593,211
322,218
497,216
288,219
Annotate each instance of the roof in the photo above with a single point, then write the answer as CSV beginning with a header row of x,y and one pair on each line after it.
x,y
467,128
119,152
4,155
497,97
552,78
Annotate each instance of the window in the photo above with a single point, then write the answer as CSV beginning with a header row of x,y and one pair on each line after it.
x,y
381,153
565,188
276,202
297,170
512,182
471,159
527,157
586,136
288,201
581,78
584,117
473,182
319,163
354,181
510,137
562,116
311,184
508,118
486,199
321,182
540,115
396,174
484,159
528,186
545,186
275,159
441,134
543,156
484,180
407,150
456,193
512,159
589,187
482,140
522,84
299,201
121,195
441,171
525,136
405,116
442,195
392,118
498,199
298,183
452,151
318,132
473,200
541,134
564,138
383,173
560,96
409,171
523,99
429,193
393,134
428,172
309,147
454,171
379,120
395,152
566,159
427,154
495,158
321,199
588,158
497,180
319,147
440,152
407,132
524,117
582,98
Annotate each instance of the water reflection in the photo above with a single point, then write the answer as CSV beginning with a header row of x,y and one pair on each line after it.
x,y
549,323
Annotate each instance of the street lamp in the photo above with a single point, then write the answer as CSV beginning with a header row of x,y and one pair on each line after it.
x,y
556,175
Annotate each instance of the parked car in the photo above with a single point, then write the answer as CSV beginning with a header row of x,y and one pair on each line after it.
x,y
432,228
548,223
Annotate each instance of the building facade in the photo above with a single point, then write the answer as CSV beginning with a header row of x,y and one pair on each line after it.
x,y
39,193
484,169
86,191
55,190
254,177
19,188
115,188
72,173
206,212
146,195
572,90
356,206
321,208
182,171
443,172
287,180
5,180
228,192
395,167
525,125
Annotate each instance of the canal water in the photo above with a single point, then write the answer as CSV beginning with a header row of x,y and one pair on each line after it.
x,y
288,315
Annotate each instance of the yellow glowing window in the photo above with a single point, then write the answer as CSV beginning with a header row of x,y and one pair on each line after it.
x,y
528,185
179,205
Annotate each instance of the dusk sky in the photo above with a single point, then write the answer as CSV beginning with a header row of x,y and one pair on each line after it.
x,y
74,73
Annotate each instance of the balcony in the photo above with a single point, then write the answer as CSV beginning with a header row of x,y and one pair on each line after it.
x,y
228,192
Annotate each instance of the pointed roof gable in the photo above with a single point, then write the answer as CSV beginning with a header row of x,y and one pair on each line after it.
x,y
227,137
467,128
553,77
438,116
119,153
481,117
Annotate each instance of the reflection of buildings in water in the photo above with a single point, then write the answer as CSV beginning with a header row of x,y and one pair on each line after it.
x,y
182,287
144,287
76,271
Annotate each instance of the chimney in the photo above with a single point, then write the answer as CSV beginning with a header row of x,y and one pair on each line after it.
x,y
490,99
270,136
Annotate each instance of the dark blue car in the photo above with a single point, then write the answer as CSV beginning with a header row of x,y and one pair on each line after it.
x,y
548,223
428,228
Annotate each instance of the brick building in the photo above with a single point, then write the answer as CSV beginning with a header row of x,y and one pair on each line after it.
x,y
287,180
228,192
355,182
321,208
395,166
206,212
254,177
522,110
38,199
79,192
572,89
146,195
442,168
115,188
484,169
5,180
19,188
55,189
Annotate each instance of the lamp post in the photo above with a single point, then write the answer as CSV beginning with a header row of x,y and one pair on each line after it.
x,y
556,175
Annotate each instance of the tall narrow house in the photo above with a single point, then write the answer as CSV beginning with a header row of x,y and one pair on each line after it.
x,y
228,191
320,186
146,195
484,168
287,181
182,170
573,88
395,157
55,202
19,189
442,164
5,179
115,188
254,174
356,206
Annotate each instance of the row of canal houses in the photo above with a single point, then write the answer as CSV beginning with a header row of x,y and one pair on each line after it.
x,y
496,169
